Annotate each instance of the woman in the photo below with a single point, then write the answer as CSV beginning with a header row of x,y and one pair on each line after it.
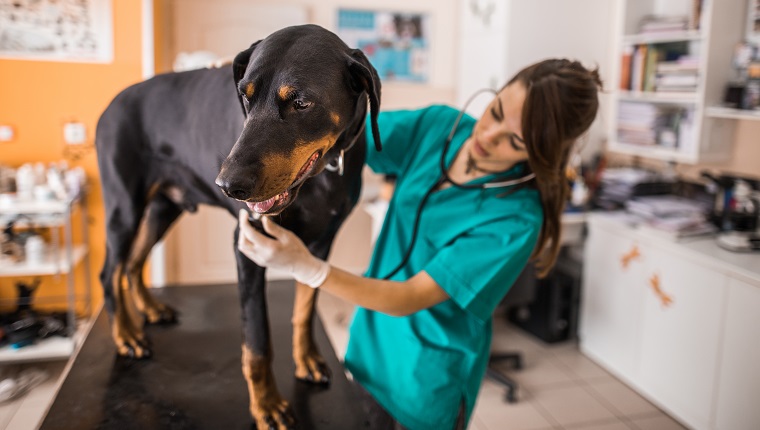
x,y
420,341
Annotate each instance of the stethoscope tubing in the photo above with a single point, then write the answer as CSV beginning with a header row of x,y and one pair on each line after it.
x,y
446,178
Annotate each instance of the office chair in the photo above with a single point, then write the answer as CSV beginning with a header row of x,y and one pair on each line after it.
x,y
522,293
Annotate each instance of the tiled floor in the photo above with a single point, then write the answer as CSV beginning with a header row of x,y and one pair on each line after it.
x,y
559,388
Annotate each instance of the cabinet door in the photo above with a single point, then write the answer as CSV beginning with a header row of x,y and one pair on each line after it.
x,y
611,300
682,313
739,388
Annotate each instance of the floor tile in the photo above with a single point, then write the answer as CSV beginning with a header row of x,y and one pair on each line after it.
x,y
572,359
602,425
494,413
657,422
572,405
623,399
540,370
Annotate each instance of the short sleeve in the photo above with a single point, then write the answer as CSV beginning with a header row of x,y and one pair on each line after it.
x,y
478,268
399,136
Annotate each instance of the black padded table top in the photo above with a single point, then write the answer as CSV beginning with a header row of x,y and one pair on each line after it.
x,y
194,380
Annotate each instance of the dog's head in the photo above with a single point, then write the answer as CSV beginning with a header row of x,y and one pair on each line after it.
x,y
301,88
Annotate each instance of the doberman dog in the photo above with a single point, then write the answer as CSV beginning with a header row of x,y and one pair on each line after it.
x,y
295,154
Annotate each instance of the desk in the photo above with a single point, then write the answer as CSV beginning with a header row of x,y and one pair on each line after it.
x,y
194,380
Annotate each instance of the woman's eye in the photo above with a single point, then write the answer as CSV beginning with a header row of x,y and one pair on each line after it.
x,y
301,105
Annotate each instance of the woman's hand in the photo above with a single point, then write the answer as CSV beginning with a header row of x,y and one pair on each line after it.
x,y
284,252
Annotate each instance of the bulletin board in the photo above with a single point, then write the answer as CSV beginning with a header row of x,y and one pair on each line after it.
x,y
56,30
396,43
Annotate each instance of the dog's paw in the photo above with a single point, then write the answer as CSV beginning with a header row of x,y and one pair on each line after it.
x,y
134,349
161,316
313,370
278,417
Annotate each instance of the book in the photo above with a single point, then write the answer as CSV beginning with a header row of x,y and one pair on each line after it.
x,y
625,68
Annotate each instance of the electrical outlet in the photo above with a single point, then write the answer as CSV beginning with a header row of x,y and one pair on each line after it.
x,y
6,133
74,133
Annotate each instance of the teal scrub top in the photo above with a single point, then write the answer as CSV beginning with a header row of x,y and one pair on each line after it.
x,y
474,243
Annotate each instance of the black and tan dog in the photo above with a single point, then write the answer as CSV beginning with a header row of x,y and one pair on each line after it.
x,y
179,140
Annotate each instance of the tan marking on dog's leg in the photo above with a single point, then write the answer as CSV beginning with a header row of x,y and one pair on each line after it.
x,y
249,88
284,92
144,302
265,403
125,331
310,365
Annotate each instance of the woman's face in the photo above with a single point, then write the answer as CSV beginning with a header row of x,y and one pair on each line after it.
x,y
497,140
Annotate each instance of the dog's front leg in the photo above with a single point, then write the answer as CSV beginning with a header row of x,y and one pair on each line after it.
x,y
310,366
268,409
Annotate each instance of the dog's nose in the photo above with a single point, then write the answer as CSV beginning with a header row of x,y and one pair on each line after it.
x,y
231,189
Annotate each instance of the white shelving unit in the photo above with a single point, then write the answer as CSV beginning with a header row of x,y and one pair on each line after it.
x,y
61,258
716,27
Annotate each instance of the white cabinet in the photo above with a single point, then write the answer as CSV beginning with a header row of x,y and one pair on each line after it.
x,y
612,300
680,324
656,113
739,389
680,333
62,257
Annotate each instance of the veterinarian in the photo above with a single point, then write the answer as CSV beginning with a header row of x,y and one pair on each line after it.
x,y
474,201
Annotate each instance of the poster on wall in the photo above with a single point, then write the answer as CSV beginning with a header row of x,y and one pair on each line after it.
x,y
56,30
397,44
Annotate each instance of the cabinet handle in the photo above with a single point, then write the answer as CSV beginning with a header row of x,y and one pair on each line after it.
x,y
665,299
629,256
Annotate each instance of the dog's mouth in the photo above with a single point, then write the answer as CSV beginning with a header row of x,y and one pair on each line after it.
x,y
276,204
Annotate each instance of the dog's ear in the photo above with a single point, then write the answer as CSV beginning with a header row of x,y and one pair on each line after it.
x,y
365,79
239,64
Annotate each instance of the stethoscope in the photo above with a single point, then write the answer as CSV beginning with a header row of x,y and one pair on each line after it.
x,y
444,178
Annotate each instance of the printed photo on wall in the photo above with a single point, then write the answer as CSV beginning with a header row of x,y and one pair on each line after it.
x,y
397,44
56,30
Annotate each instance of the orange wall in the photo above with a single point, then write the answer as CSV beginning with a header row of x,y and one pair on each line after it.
x,y
38,97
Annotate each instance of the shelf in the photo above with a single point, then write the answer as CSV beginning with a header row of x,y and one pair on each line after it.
x,y
655,97
49,266
663,37
52,348
35,207
653,151
731,113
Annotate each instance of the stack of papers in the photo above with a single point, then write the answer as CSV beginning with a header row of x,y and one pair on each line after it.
x,y
677,217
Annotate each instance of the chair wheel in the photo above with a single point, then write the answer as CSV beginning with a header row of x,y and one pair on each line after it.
x,y
510,395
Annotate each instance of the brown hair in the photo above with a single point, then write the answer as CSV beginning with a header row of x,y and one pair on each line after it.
x,y
560,105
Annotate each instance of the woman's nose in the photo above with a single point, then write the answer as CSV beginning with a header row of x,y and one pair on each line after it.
x,y
492,136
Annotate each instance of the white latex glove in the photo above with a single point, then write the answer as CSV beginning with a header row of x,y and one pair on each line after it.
x,y
285,252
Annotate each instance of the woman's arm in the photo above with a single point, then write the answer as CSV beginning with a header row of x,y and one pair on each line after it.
x,y
389,297
285,251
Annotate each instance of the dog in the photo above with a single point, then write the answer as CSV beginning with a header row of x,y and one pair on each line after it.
x,y
295,152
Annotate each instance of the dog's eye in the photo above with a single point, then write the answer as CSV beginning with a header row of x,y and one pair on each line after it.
x,y
301,105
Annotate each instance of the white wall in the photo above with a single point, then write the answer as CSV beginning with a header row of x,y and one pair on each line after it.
x,y
439,89
522,32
